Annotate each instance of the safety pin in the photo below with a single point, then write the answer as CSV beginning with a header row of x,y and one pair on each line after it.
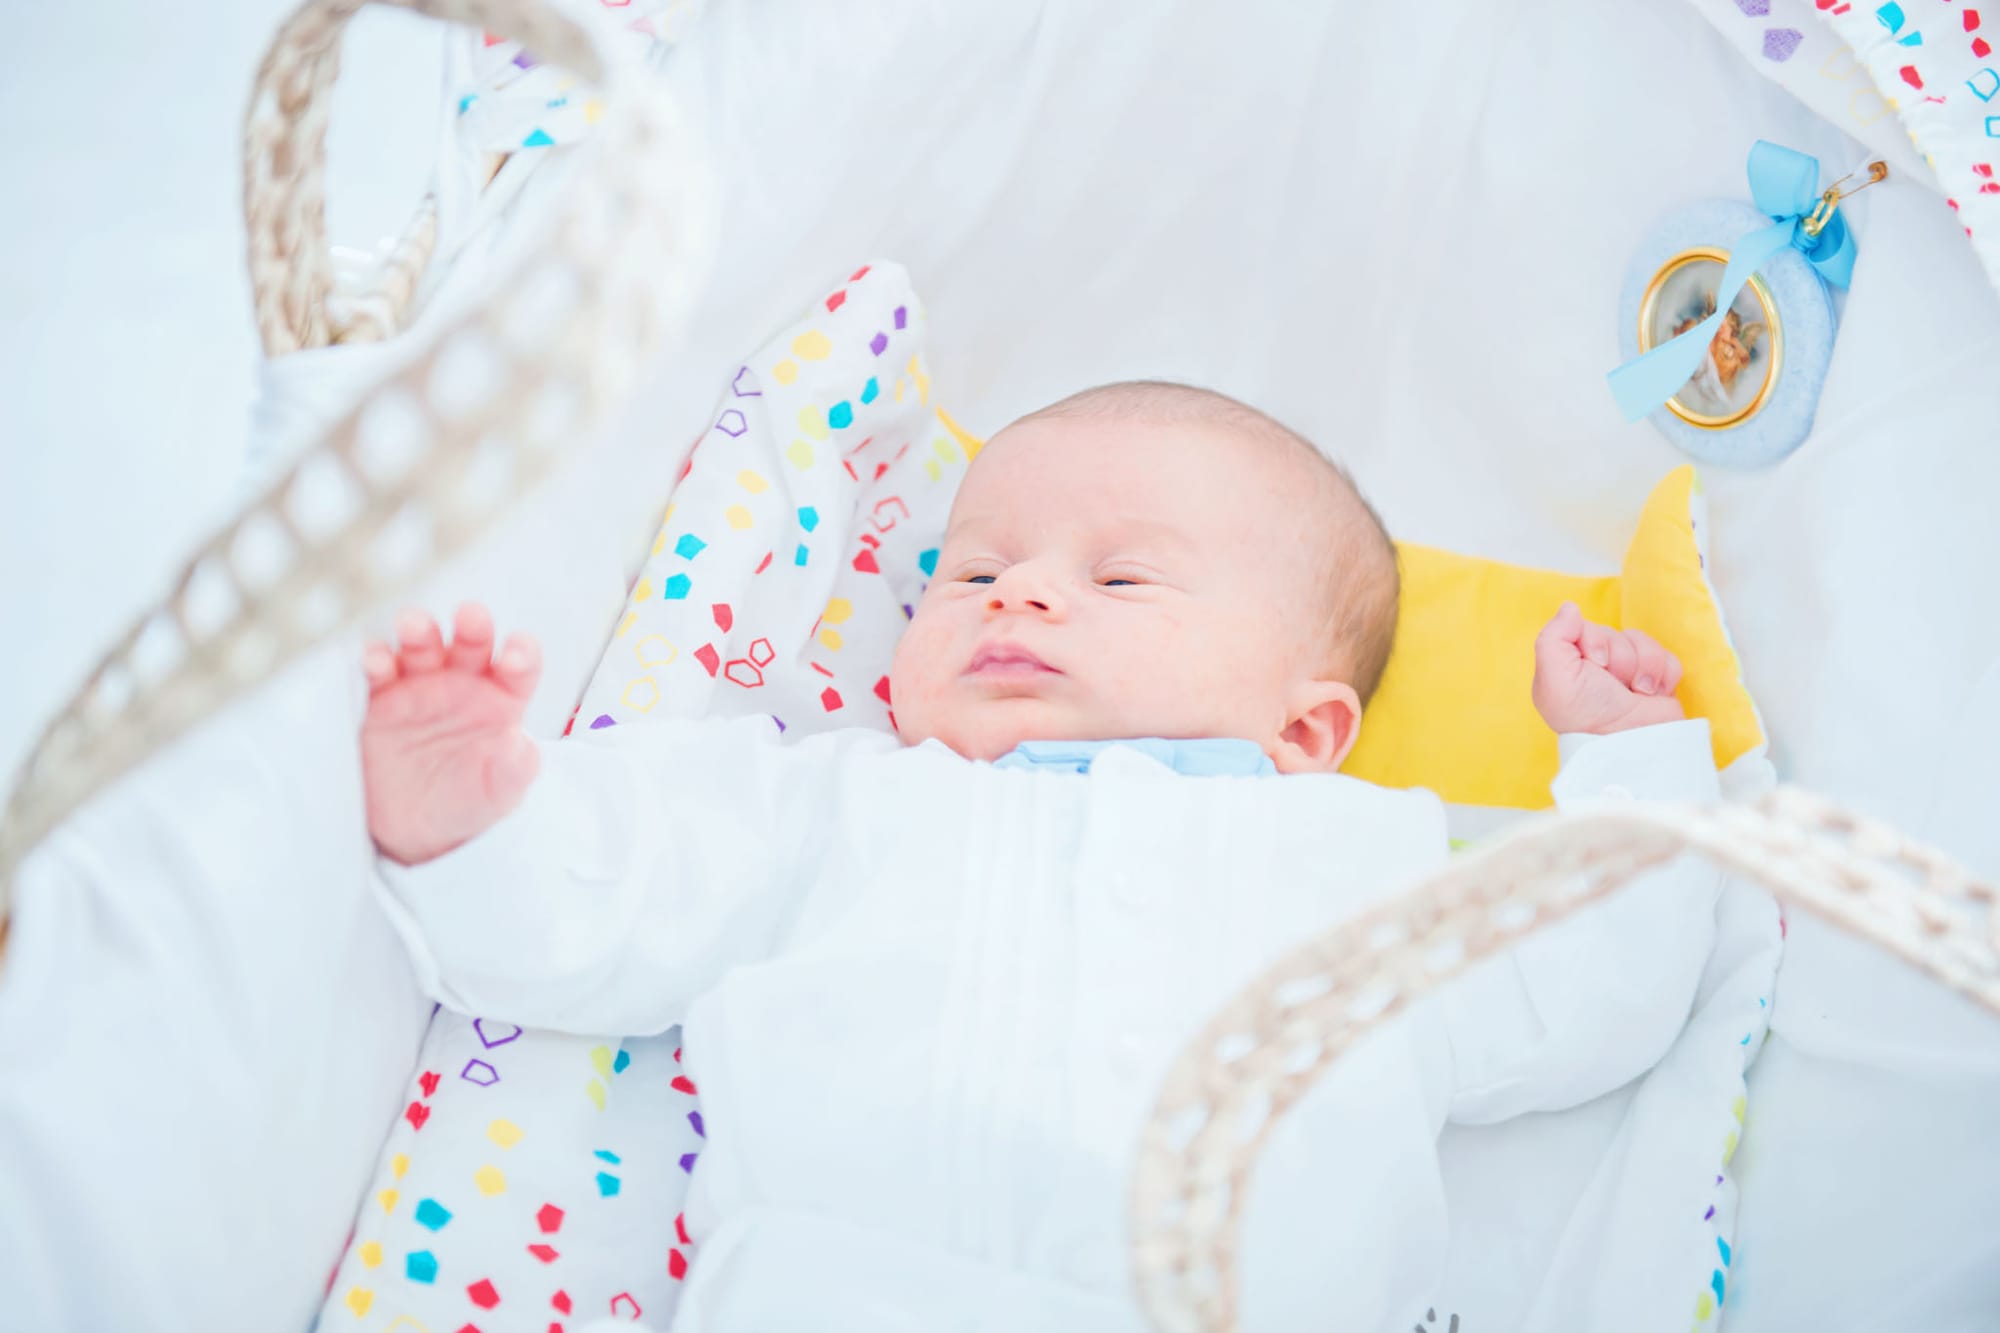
x,y
1822,213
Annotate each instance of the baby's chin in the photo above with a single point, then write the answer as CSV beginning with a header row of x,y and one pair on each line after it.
x,y
995,727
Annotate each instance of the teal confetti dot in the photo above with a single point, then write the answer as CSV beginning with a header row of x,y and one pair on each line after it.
x,y
607,1184
604,1155
1723,1245
420,1266
927,562
1715,1285
676,588
800,557
618,1065
432,1215
840,416
808,518
870,391
689,546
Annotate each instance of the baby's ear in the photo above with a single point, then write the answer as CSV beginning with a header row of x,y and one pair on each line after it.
x,y
1324,721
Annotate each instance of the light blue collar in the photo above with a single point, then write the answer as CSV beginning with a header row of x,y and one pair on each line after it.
x,y
1205,758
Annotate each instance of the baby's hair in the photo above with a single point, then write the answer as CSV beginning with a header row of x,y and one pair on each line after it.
x,y
1358,570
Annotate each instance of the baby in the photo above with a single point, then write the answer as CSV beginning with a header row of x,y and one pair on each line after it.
x,y
929,982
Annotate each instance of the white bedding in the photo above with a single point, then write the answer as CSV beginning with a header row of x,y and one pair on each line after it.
x,y
1083,195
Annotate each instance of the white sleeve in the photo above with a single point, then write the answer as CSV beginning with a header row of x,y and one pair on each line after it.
x,y
645,861
1589,1005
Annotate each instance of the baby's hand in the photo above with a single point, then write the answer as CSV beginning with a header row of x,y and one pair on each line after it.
x,y
443,756
1597,680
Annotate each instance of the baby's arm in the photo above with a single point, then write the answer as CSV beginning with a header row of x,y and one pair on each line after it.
x,y
1588,1005
594,885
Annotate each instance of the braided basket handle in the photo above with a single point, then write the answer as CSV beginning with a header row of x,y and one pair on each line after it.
x,y
284,166
1188,1193
431,455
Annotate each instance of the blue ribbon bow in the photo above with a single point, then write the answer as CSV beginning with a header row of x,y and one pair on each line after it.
x,y
1785,185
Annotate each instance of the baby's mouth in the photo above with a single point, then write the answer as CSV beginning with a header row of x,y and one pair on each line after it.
x,y
1007,661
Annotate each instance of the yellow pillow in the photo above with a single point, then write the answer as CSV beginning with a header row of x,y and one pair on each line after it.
x,y
1453,712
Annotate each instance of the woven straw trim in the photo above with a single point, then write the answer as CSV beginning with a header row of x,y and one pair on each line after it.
x,y
428,458
1197,1153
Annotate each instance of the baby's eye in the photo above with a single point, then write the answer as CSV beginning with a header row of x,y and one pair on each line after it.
x,y
1121,583
977,578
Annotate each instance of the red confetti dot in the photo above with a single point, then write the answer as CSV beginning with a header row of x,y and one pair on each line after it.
x,y
710,660
482,1294
865,562
561,1301
1911,77
549,1219
835,302
429,1082
829,699
677,1265
416,1113
682,1083
882,689
765,563
681,1228
1981,47
1971,19
626,1297
546,1253
858,274
724,617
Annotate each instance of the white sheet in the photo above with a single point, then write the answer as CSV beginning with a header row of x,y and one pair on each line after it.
x,y
1404,239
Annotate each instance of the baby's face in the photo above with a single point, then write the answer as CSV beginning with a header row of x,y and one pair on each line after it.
x,y
1104,579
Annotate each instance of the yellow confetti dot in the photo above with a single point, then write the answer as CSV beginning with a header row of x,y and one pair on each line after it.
x,y
1729,1148
1704,1307
801,455
642,591
902,387
751,482
505,1133
593,111
812,345
1738,1108
641,694
667,518
600,1060
738,516
371,1254
490,1181
931,467
625,625
660,542
387,1198
399,1164
831,638
785,371
596,1091
838,609
359,1299
967,441
812,423
945,450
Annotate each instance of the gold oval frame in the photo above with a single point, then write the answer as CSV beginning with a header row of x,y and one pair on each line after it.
x,y
1757,287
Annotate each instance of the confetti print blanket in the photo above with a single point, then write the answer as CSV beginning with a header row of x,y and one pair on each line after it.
x,y
534,1180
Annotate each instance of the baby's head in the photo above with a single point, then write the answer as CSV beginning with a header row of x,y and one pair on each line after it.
x,y
1149,559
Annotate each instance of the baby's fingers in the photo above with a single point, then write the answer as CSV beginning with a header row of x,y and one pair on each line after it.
x,y
422,646
519,665
378,663
471,639
1655,670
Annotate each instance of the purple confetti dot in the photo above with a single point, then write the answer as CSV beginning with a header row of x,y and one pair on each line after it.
x,y
744,376
694,1118
524,60
780,721
732,423
1709,1214
487,1079
502,1032
603,720
1781,44
902,317
879,343
1755,9
687,1161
